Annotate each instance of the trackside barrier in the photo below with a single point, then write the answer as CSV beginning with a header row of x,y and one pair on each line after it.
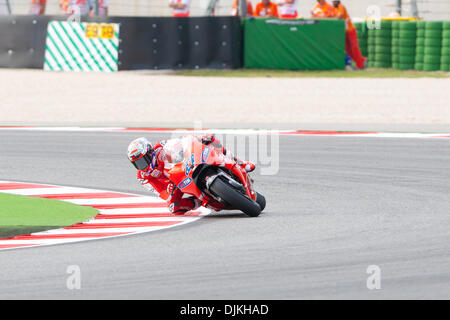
x,y
142,43
218,43
294,44
72,46
407,45
22,41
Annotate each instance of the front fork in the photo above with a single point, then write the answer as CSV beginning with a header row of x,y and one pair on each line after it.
x,y
244,177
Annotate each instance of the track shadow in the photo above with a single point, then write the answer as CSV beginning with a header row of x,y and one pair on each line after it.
x,y
227,214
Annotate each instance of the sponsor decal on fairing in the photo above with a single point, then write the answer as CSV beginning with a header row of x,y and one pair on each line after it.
x,y
183,184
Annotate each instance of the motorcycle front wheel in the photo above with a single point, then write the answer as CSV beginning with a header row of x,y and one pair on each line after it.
x,y
261,200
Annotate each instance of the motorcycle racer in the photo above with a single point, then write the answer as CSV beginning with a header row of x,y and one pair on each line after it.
x,y
150,162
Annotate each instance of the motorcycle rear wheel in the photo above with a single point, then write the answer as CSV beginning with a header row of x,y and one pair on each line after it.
x,y
234,198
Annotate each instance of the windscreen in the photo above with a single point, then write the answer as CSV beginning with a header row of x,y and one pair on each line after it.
x,y
174,151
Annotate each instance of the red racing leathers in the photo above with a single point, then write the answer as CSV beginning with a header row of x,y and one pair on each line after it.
x,y
155,180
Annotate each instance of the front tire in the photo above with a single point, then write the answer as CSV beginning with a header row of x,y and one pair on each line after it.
x,y
234,198
261,200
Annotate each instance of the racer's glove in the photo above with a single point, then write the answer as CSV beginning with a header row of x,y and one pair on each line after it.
x,y
171,189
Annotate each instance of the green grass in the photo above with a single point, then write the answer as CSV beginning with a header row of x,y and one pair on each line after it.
x,y
23,215
268,73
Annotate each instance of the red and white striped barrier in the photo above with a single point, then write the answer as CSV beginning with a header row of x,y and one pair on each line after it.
x,y
120,214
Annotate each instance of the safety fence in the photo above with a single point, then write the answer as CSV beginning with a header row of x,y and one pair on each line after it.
x,y
407,45
428,9
142,8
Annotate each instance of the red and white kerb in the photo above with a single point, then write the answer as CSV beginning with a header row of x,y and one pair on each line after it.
x,y
119,214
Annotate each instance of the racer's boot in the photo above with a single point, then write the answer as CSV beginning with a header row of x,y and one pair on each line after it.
x,y
184,205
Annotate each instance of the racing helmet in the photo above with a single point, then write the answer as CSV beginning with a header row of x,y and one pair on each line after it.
x,y
140,153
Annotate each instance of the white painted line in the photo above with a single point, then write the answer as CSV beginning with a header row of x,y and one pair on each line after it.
x,y
46,191
130,200
134,220
134,211
63,231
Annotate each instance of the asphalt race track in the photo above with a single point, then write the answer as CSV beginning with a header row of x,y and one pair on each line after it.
x,y
336,206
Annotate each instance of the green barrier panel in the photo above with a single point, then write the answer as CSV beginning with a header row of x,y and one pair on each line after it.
x,y
433,45
362,31
395,47
294,44
445,54
420,46
383,43
407,34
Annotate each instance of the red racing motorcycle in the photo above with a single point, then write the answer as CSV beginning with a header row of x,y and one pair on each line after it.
x,y
202,170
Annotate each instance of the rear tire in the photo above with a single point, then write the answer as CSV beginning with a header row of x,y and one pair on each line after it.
x,y
234,198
